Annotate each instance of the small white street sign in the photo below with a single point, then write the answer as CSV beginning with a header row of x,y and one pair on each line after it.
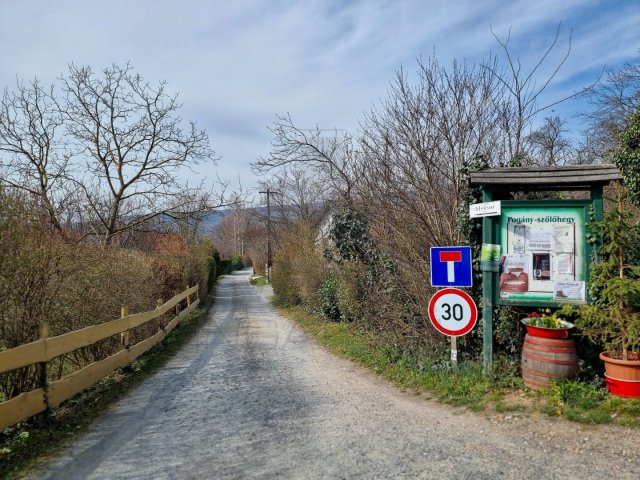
x,y
487,209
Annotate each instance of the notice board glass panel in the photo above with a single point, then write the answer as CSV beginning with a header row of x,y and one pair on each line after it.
x,y
544,253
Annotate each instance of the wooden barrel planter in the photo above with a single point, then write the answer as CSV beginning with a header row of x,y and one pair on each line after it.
x,y
545,360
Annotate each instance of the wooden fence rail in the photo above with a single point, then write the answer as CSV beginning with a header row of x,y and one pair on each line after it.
x,y
44,350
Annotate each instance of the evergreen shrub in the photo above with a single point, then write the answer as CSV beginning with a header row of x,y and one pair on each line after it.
x,y
329,298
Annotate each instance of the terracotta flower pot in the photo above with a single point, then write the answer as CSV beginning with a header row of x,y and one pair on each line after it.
x,y
622,376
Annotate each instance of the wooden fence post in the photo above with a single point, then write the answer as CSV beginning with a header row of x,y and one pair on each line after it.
x,y
188,297
42,419
160,324
125,337
177,309
30,356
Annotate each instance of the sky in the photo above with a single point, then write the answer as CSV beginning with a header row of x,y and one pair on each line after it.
x,y
236,64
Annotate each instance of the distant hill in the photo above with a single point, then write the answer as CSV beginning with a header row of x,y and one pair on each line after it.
x,y
211,220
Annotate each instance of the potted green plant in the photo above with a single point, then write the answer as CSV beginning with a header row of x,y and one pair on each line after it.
x,y
613,317
547,325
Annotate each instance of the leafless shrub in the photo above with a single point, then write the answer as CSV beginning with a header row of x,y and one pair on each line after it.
x,y
72,285
34,159
299,267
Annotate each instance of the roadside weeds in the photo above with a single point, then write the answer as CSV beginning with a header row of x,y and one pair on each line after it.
x,y
258,280
466,386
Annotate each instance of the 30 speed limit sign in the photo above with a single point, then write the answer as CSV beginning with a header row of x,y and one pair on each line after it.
x,y
453,312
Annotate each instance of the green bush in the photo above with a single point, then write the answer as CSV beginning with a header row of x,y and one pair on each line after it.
x,y
224,266
613,317
236,263
508,334
213,262
351,293
351,238
284,288
212,273
229,265
627,158
329,298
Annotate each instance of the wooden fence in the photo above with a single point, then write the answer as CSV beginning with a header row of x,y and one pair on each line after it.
x,y
47,348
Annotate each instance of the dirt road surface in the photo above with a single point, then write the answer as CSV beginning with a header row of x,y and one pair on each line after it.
x,y
252,397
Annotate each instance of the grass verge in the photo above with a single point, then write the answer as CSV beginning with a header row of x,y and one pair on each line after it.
x,y
574,400
22,447
259,280
464,386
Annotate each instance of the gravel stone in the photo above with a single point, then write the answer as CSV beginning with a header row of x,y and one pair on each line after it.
x,y
251,396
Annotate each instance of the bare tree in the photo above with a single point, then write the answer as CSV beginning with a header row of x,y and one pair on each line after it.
x,y
548,146
234,234
614,100
415,144
302,195
34,158
524,92
132,138
330,156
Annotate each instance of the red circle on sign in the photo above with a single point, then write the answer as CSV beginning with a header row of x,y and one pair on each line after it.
x,y
464,299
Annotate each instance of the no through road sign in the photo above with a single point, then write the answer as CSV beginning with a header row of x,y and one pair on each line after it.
x,y
453,312
451,267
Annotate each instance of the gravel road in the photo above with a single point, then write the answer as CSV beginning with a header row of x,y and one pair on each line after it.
x,y
252,397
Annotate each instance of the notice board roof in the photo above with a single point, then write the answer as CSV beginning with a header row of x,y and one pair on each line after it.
x,y
572,177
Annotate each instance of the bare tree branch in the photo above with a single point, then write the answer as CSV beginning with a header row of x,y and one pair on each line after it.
x,y
615,98
133,142
330,156
524,94
37,160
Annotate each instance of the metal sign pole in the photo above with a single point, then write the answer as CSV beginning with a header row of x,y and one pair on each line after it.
x,y
454,351
487,294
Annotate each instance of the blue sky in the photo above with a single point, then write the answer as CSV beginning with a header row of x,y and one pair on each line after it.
x,y
236,64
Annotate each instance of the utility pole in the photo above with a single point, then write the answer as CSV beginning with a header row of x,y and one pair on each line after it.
x,y
269,192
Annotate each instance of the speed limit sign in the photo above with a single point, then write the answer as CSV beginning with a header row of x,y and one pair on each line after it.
x,y
453,312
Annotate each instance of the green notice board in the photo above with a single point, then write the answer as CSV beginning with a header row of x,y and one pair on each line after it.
x,y
544,256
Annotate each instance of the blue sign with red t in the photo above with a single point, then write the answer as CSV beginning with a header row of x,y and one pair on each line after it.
x,y
451,267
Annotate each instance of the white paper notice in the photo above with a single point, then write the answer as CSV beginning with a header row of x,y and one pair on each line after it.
x,y
568,291
563,238
519,238
539,239
515,261
564,263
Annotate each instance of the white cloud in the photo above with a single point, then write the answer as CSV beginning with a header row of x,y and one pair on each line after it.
x,y
237,64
